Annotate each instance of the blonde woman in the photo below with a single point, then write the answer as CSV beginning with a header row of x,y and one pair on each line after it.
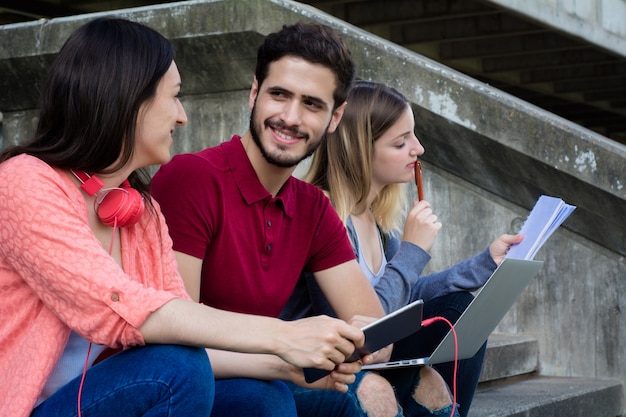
x,y
364,167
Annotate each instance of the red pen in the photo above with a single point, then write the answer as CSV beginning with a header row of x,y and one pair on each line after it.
x,y
418,180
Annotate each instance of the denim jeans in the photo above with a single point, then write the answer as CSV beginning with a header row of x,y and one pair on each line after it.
x,y
424,342
239,397
153,380
315,403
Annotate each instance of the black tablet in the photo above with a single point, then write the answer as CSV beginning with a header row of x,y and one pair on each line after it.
x,y
380,333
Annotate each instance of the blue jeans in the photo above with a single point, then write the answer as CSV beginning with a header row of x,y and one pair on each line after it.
x,y
315,403
252,398
424,342
153,380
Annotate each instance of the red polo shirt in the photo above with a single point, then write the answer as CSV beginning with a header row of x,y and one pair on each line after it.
x,y
253,246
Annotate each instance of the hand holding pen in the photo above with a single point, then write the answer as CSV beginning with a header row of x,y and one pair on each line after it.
x,y
421,226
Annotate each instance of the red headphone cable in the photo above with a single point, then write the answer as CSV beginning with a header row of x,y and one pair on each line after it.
x,y
430,321
82,380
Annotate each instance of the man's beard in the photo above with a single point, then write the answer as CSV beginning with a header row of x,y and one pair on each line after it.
x,y
282,161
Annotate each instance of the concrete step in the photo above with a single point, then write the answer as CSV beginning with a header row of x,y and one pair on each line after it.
x,y
509,355
510,386
540,396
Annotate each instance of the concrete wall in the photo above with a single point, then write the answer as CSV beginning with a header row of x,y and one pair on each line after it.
x,y
488,157
602,22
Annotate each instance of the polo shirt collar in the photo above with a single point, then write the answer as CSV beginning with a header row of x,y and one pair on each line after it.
x,y
248,182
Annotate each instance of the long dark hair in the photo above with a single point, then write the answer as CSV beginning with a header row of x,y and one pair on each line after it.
x,y
89,105
315,43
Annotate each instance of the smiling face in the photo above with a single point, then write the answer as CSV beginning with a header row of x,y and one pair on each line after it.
x,y
292,110
395,152
157,120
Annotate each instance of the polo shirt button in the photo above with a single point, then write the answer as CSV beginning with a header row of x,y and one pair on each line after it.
x,y
269,223
115,297
269,248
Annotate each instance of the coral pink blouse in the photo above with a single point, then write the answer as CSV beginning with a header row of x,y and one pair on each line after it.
x,y
55,276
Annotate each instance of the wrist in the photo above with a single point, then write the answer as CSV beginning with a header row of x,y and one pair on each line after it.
x,y
275,342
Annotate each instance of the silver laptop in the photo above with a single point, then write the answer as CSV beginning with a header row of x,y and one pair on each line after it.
x,y
480,317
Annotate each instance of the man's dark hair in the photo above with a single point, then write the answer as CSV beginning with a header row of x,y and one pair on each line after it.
x,y
315,43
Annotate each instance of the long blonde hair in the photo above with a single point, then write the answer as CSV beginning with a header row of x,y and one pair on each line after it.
x,y
342,165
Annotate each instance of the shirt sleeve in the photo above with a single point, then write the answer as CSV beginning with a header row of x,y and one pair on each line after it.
x,y
467,275
170,278
402,273
181,196
331,246
45,238
403,282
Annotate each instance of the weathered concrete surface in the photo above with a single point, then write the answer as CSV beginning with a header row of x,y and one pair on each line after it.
x,y
598,21
554,397
509,355
489,156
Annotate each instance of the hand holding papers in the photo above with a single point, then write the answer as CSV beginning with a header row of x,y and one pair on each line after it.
x,y
543,220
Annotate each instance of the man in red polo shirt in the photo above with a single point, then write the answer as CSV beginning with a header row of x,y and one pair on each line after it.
x,y
244,228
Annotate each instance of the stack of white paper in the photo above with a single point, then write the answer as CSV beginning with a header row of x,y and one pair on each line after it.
x,y
542,221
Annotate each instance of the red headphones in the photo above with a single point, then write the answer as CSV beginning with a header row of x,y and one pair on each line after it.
x,y
121,206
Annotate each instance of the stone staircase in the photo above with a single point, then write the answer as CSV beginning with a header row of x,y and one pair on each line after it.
x,y
511,386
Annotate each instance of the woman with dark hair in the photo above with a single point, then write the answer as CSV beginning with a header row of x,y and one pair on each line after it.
x,y
84,266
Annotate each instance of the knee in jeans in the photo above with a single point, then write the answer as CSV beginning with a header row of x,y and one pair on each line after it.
x,y
253,397
377,397
266,395
192,361
431,391
193,369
